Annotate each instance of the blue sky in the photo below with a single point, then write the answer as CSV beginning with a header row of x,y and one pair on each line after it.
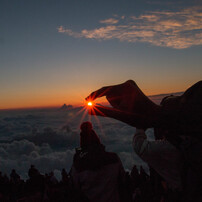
x,y
59,51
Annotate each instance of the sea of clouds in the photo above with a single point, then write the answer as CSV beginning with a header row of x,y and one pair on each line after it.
x,y
47,138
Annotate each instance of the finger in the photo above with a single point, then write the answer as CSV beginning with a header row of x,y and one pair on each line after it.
x,y
112,90
98,93
131,119
115,89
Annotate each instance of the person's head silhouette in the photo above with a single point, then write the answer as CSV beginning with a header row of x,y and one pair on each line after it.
x,y
88,137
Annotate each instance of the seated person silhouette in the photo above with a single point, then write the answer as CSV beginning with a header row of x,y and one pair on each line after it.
x,y
95,172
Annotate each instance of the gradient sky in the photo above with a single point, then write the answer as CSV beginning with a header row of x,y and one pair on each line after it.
x,y
58,51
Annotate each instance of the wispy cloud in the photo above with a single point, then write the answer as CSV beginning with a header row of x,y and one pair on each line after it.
x,y
110,21
179,30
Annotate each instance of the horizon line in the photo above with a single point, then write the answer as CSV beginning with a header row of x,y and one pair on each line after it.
x,y
74,106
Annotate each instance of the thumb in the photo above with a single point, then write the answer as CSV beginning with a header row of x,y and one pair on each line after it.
x,y
132,119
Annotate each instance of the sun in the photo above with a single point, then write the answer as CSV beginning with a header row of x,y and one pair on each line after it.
x,y
90,104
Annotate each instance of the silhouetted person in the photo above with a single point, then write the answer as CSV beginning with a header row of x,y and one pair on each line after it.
x,y
161,156
5,178
5,187
35,185
14,177
33,172
1,177
144,185
65,177
134,172
177,121
95,172
135,177
143,174
158,186
53,179
1,183
15,184
88,137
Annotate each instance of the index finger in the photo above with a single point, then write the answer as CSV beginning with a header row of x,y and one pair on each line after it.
x,y
98,93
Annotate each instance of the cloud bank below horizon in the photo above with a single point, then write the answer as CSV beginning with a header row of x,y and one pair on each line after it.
x,y
174,29
47,138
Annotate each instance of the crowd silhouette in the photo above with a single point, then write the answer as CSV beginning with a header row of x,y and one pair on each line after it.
x,y
138,186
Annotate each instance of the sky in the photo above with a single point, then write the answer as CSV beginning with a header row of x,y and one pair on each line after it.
x,y
59,51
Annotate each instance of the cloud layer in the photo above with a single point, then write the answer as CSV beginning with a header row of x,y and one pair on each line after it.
x,y
47,138
178,30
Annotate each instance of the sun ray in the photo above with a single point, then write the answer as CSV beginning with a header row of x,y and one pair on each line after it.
x,y
98,121
83,116
76,114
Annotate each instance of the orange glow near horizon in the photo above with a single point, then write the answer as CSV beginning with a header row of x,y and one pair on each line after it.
x,y
56,98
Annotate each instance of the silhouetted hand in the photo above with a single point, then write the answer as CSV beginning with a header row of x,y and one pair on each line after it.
x,y
129,104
